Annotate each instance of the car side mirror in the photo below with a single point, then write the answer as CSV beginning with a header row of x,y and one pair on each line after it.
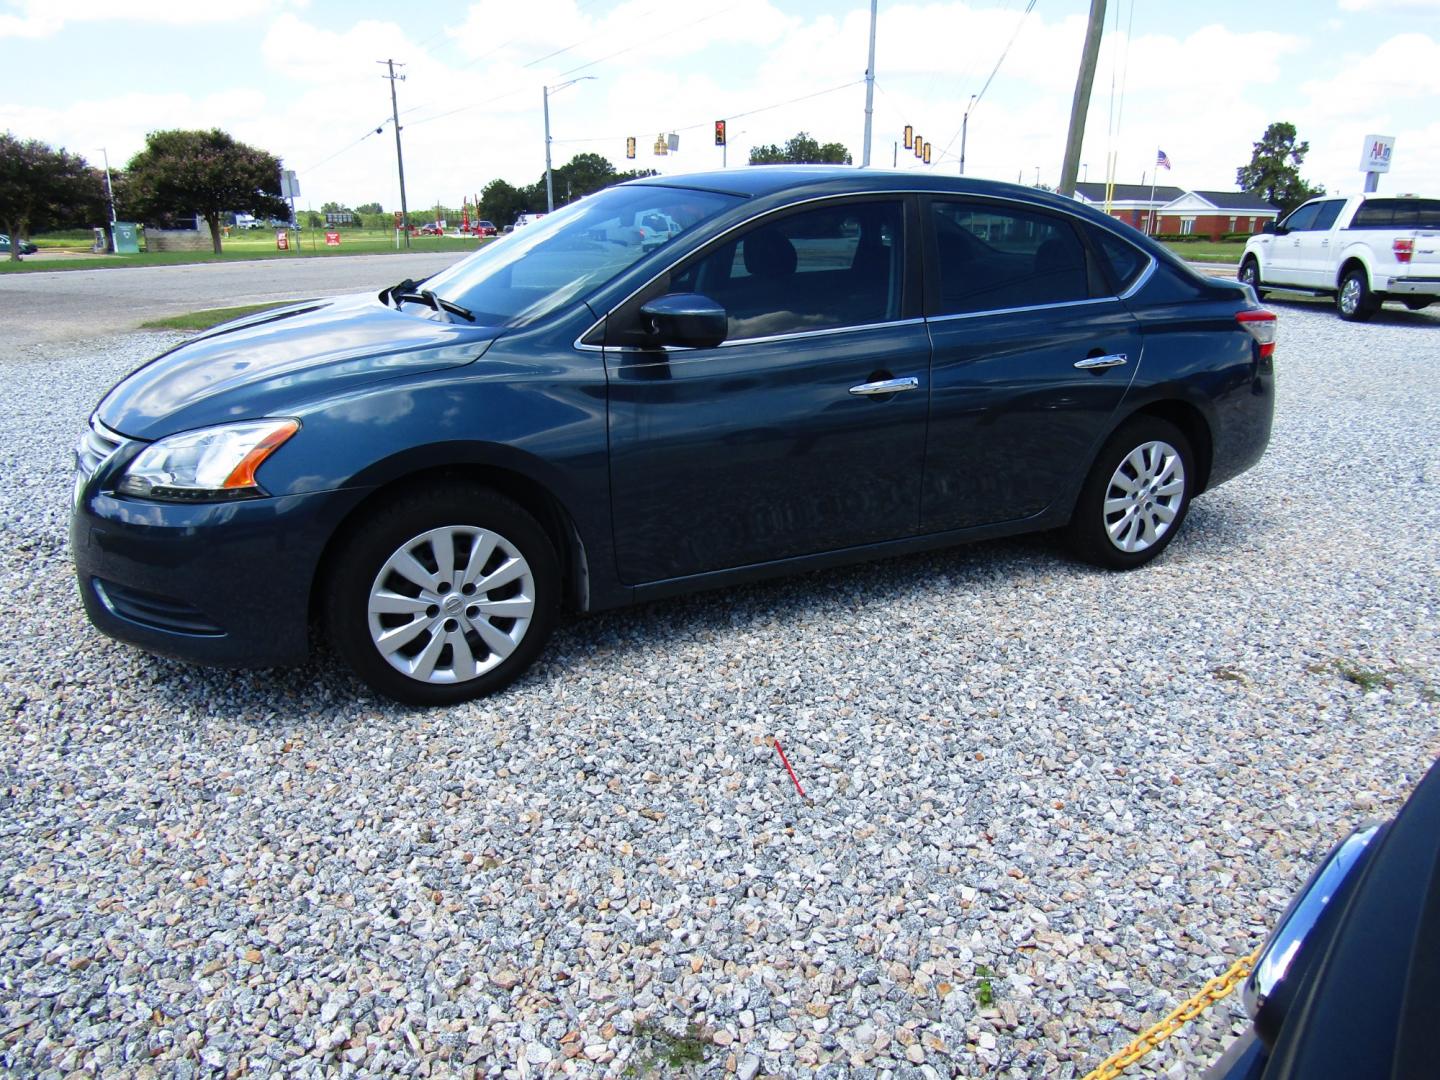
x,y
685,319
1272,229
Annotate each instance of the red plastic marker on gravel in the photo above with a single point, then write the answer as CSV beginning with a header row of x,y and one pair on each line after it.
x,y
786,762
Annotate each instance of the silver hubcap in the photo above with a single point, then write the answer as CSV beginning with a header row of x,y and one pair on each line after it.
x,y
1144,496
1248,275
1350,296
451,604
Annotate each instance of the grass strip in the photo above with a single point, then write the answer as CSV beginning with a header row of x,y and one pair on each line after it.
x,y
204,320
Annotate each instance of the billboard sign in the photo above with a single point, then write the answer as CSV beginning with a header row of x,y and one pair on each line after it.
x,y
1375,157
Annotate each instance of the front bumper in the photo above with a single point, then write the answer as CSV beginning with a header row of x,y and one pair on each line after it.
x,y
215,583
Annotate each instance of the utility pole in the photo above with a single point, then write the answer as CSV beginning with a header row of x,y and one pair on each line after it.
x,y
109,187
399,157
549,181
1081,103
869,88
965,131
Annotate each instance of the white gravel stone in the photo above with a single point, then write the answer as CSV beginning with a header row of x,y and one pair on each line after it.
x,y
1086,792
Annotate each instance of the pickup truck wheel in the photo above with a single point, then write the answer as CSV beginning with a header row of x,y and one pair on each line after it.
x,y
1355,302
1418,304
1250,275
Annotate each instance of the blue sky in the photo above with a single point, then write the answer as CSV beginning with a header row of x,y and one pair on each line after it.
x,y
299,79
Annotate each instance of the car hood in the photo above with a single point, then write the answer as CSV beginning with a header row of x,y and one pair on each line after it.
x,y
271,363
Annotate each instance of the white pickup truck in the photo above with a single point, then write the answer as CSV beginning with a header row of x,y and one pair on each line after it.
x,y
1362,250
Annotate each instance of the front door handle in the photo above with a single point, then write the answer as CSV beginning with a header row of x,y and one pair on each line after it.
x,y
1093,363
887,386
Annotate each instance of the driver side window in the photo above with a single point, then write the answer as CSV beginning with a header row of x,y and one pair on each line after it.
x,y
821,269
1302,219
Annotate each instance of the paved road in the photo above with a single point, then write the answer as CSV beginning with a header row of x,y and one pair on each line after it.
x,y
77,304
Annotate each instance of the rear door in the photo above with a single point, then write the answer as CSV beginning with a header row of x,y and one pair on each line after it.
x,y
1032,355
769,445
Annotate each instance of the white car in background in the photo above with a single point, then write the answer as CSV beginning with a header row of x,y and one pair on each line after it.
x,y
1362,250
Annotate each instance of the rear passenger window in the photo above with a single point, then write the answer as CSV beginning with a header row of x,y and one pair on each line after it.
x,y
1125,261
819,269
994,256
1326,215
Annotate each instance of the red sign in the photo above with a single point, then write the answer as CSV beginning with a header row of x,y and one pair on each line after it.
x,y
397,219
282,240
332,239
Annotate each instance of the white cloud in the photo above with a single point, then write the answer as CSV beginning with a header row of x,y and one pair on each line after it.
x,y
45,18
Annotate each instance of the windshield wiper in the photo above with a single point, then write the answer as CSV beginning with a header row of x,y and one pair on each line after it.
x,y
425,296
393,292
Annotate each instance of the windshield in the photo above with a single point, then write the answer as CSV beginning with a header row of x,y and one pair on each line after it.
x,y
567,254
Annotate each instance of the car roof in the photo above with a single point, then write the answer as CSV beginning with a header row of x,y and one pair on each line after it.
x,y
757,181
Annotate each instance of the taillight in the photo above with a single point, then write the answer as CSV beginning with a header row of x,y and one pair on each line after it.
x,y
1403,249
1261,324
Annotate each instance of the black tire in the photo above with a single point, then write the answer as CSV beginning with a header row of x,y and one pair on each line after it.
x,y
1250,275
1355,302
1418,303
453,512
1089,533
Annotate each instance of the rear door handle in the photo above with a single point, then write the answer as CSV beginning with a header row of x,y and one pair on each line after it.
x,y
887,386
1093,363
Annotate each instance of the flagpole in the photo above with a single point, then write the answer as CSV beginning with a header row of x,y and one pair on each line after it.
x,y
1153,180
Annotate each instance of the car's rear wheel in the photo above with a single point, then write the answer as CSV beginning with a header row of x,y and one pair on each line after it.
x,y
443,595
1355,302
1250,275
1136,496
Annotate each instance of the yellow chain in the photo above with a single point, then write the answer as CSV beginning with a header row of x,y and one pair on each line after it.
x,y
1217,989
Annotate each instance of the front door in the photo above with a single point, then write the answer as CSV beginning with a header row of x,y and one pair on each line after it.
x,y
769,445
1031,361
1285,267
1315,266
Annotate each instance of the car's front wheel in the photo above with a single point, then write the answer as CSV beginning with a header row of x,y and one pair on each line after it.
x,y
442,595
1250,275
1136,496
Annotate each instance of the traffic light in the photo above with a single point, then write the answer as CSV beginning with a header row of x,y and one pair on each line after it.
x,y
909,136
719,132
919,147
630,147
927,153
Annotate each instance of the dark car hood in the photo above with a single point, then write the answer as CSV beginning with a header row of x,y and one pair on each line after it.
x,y
271,363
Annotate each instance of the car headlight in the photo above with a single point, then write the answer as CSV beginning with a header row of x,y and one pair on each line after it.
x,y
208,465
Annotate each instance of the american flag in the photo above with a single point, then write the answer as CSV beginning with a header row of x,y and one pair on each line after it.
x,y
1161,159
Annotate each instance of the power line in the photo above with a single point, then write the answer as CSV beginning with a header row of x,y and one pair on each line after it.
x,y
1029,7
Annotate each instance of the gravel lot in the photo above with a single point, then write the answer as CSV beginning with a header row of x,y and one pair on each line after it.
x,y
1095,788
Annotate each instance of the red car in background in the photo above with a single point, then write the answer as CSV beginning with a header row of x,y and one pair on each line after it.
x,y
431,230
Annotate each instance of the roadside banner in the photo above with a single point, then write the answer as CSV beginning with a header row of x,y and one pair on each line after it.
x,y
282,240
332,239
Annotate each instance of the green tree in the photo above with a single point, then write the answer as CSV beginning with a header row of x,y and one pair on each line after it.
x,y
502,202
313,220
370,208
801,150
1274,169
42,188
205,173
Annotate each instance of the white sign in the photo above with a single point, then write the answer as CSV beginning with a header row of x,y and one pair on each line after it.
x,y
289,185
1375,157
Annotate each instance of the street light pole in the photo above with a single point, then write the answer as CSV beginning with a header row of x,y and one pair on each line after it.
x,y
549,181
399,157
869,88
965,131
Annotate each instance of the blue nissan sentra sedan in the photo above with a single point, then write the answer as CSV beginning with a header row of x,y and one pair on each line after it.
x,y
803,367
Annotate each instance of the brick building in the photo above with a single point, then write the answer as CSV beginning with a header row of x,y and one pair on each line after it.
x,y
1174,210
